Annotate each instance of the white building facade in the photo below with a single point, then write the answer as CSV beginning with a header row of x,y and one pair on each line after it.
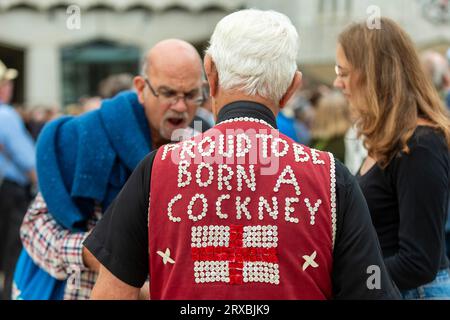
x,y
62,50
320,21
44,32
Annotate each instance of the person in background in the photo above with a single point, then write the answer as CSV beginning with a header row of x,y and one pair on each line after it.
x,y
438,69
289,124
304,116
114,84
83,162
17,169
447,99
90,103
38,117
204,118
355,152
406,130
331,122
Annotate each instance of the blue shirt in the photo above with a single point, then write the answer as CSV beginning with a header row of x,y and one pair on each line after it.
x,y
293,129
17,152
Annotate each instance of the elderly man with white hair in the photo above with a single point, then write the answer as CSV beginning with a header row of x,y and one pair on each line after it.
x,y
241,211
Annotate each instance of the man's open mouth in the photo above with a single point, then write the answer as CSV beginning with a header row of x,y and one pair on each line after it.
x,y
175,121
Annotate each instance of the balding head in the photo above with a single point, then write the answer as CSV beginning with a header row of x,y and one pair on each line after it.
x,y
171,55
170,86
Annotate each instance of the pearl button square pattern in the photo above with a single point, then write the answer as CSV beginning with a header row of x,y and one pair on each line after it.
x,y
264,272
235,255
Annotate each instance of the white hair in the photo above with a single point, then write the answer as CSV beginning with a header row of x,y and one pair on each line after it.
x,y
255,52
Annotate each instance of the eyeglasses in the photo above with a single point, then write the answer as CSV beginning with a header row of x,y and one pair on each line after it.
x,y
337,70
171,97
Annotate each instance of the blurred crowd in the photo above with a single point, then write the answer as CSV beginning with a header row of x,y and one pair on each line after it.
x,y
317,116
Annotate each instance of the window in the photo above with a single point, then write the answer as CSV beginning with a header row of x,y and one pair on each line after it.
x,y
335,8
85,66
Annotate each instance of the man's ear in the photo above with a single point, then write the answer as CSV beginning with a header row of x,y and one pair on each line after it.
x,y
211,75
295,85
139,85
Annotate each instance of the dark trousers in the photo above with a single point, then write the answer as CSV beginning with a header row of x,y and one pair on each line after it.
x,y
14,200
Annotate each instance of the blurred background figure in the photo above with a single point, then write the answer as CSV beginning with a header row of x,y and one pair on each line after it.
x,y
447,227
286,123
437,67
295,119
17,169
115,84
90,103
107,88
37,118
447,99
304,116
331,122
355,152
204,118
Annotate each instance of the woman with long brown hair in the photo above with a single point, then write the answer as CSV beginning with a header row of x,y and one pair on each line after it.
x,y
406,130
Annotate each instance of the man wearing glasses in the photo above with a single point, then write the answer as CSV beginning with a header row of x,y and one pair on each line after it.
x,y
170,93
83,162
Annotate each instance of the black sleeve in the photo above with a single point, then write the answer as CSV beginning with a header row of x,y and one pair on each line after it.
x,y
357,248
421,179
120,239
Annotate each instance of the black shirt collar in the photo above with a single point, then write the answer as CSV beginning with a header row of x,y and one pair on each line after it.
x,y
248,109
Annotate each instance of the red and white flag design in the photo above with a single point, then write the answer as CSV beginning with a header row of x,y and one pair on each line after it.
x,y
235,254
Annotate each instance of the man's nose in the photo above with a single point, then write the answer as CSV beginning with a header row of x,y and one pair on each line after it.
x,y
180,105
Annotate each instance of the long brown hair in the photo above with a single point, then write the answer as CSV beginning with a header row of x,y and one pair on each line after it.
x,y
393,90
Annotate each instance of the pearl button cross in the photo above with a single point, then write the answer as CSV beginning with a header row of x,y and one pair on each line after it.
x,y
309,261
166,256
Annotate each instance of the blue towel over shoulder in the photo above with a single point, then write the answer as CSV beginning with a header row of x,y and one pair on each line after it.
x,y
80,161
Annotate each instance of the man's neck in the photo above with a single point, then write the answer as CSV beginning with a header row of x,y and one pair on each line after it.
x,y
224,99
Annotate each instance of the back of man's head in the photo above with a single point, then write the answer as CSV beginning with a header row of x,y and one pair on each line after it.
x,y
255,53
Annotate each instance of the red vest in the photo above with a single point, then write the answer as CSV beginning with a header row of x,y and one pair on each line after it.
x,y
241,212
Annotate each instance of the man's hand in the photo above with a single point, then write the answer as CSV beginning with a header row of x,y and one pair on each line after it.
x,y
90,261
144,293
108,287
